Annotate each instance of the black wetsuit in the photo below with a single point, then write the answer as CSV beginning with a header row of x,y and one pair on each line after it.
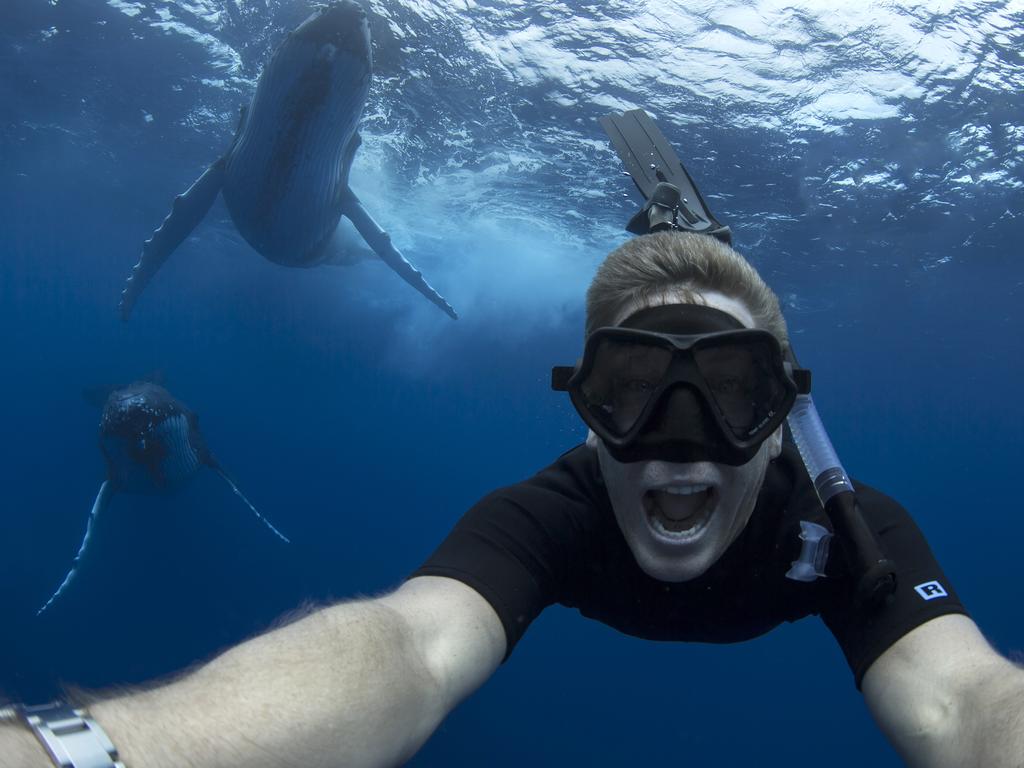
x,y
554,539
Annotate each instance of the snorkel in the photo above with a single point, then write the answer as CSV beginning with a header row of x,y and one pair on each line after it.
x,y
876,574
673,202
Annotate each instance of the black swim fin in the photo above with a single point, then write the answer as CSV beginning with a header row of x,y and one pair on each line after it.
x,y
673,200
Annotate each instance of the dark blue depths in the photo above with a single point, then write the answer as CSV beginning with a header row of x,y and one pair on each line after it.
x,y
364,426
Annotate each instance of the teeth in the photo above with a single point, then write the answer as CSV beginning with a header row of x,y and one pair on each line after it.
x,y
678,511
685,490
683,534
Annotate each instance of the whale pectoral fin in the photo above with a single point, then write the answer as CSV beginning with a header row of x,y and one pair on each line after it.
x,y
227,479
98,505
380,242
186,212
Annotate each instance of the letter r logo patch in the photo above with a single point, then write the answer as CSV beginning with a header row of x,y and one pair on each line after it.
x,y
931,590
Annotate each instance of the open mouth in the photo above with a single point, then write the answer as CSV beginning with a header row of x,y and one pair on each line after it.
x,y
679,512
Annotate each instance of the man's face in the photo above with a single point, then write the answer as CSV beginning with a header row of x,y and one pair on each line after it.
x,y
678,519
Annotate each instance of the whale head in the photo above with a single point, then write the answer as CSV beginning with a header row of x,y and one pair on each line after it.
x,y
151,440
338,36
341,24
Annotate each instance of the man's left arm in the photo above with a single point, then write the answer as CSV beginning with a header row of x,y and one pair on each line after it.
x,y
944,697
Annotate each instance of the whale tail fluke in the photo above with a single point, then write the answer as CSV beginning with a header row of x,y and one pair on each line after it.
x,y
227,479
186,213
380,242
98,505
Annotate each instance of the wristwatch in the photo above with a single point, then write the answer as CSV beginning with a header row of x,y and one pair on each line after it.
x,y
70,737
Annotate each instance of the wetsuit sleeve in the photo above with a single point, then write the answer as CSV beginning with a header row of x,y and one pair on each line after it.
x,y
509,548
922,592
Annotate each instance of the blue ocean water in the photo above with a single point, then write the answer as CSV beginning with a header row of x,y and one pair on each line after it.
x,y
867,155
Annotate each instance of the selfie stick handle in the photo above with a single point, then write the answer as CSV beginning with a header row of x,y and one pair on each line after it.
x,y
835,490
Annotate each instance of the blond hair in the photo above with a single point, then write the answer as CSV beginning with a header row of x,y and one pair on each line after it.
x,y
688,263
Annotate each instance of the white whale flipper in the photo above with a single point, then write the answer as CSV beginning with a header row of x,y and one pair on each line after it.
x,y
98,505
380,242
229,481
186,213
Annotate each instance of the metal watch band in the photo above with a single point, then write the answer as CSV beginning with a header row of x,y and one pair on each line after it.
x,y
70,736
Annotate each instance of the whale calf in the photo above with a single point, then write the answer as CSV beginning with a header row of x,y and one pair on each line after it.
x,y
285,176
152,444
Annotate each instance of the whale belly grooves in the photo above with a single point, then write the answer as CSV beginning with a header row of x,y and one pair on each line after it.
x,y
159,459
182,459
286,169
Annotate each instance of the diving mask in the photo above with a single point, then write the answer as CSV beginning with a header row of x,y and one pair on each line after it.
x,y
681,383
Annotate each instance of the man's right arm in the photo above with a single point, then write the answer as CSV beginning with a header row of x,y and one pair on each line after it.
x,y
356,684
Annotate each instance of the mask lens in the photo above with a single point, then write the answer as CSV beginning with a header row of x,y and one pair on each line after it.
x,y
622,380
744,384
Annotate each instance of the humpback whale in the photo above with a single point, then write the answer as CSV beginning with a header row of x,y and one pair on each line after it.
x,y
285,176
152,444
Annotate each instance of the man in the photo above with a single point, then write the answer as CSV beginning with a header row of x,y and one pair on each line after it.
x,y
680,518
